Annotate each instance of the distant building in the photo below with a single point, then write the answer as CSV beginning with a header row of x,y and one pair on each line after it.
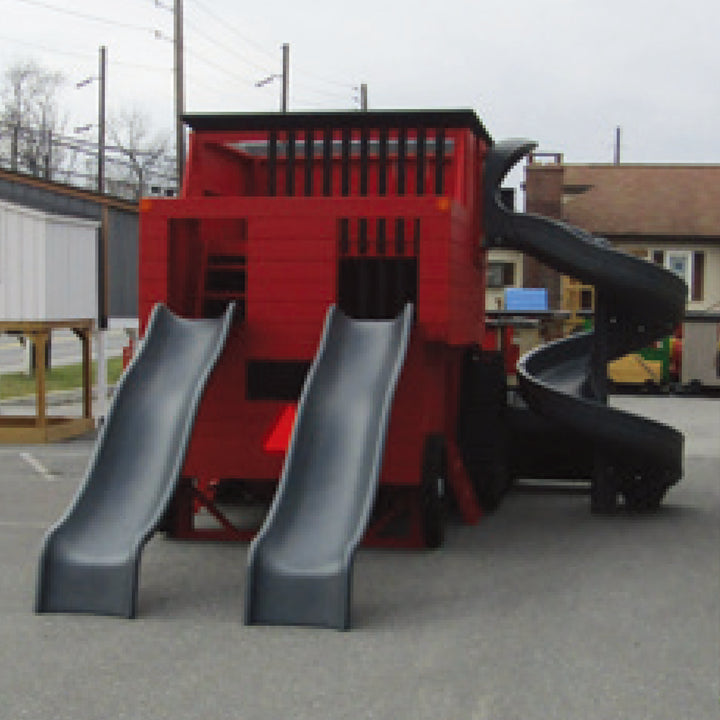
x,y
666,214
504,268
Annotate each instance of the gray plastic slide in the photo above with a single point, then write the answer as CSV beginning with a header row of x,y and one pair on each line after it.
x,y
300,563
90,559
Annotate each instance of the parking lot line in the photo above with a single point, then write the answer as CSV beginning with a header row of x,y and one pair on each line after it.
x,y
36,465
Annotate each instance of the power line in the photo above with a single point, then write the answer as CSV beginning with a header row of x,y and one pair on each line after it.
x,y
83,55
326,93
86,16
218,67
346,85
232,51
232,29
47,48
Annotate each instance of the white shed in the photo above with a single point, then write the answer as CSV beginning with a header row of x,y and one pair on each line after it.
x,y
48,265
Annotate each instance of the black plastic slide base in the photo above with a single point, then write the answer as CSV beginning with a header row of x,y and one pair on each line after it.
x,y
300,563
90,559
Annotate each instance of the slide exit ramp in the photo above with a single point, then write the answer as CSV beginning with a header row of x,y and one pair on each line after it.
x,y
90,559
566,381
300,563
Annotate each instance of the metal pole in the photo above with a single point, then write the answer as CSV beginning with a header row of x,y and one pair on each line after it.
x,y
14,147
179,93
101,121
363,97
285,75
617,146
48,156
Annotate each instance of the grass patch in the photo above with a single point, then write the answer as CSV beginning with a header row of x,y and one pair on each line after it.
x,y
65,377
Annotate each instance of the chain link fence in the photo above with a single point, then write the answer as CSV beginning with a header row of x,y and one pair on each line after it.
x,y
72,160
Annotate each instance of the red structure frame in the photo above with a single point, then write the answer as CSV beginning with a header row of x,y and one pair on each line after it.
x,y
286,214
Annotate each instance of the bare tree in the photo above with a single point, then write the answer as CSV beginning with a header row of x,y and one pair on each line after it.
x,y
141,156
30,116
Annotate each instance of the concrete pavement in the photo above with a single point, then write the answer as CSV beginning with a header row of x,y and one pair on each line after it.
x,y
541,611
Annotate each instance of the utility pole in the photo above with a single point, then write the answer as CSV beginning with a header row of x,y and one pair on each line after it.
x,y
101,344
179,92
101,120
616,158
285,76
363,97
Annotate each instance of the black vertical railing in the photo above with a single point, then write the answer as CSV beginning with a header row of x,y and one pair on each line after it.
x,y
439,160
353,156
382,161
420,161
345,162
327,160
364,161
381,238
272,164
399,236
363,236
344,236
309,160
290,164
401,160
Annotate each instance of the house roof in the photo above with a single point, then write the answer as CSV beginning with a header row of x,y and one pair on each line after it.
x,y
661,200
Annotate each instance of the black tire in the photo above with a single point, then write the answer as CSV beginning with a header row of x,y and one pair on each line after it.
x,y
432,491
492,483
642,492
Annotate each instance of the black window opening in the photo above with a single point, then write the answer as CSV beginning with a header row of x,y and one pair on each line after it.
x,y
377,272
225,282
500,274
377,288
275,379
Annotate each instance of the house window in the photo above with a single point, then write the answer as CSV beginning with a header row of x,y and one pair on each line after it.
x,y
500,274
689,266
586,299
680,263
697,288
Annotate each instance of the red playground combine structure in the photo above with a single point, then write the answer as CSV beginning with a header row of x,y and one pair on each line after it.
x,y
287,214
314,321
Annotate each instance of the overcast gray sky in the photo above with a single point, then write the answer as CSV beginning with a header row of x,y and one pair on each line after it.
x,y
562,72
